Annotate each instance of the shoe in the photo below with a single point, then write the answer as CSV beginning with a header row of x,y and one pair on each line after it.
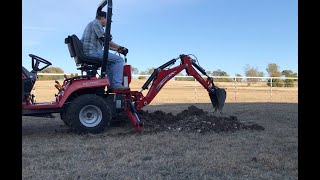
x,y
119,88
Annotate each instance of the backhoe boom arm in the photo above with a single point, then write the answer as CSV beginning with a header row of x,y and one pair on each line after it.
x,y
161,76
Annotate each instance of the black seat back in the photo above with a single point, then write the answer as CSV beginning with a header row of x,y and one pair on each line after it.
x,y
76,51
69,42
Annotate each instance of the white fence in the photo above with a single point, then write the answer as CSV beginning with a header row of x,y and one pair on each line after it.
x,y
237,82
138,75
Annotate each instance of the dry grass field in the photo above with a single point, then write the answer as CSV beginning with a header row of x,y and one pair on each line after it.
x,y
50,151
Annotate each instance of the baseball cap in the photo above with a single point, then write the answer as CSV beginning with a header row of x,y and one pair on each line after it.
x,y
102,14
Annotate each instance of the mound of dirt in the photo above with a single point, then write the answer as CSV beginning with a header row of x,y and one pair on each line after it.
x,y
192,119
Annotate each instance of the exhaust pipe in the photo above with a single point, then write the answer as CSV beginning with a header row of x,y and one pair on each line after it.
x,y
217,97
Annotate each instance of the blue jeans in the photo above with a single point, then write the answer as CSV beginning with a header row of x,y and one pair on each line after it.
x,y
114,68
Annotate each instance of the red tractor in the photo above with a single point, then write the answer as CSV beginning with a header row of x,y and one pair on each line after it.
x,y
85,103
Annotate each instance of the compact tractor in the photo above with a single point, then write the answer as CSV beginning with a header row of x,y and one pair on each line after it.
x,y
85,103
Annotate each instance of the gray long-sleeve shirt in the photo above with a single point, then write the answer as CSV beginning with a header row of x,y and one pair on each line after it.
x,y
90,37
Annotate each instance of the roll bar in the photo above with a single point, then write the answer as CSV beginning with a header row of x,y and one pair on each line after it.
x,y
107,36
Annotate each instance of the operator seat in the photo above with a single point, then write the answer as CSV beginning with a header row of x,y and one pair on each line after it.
x,y
75,49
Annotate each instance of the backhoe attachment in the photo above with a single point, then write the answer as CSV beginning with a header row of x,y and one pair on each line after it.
x,y
163,74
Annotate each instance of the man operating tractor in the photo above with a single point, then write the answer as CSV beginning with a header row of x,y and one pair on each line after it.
x,y
93,40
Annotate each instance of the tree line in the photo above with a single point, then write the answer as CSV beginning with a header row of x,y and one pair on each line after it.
x,y
272,69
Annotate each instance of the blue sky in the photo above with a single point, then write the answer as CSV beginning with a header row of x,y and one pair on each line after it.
x,y
222,34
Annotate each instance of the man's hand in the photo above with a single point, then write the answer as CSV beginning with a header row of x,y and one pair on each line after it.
x,y
123,50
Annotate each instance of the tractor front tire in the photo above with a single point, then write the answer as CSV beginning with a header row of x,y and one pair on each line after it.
x,y
88,113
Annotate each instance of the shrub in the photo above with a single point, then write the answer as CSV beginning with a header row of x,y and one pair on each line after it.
x,y
275,83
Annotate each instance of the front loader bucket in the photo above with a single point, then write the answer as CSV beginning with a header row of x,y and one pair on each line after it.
x,y
217,97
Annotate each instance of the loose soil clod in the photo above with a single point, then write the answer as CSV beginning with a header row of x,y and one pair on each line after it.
x,y
192,119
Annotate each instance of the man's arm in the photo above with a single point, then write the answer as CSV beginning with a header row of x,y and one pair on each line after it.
x,y
113,46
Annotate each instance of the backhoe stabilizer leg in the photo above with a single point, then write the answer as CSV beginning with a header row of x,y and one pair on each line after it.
x,y
133,116
217,97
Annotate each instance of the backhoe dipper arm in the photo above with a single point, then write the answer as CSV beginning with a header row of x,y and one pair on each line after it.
x,y
161,76
207,84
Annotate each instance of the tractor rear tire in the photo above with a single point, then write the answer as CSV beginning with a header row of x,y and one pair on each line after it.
x,y
88,113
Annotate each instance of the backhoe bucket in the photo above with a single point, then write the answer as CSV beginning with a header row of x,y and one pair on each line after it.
x,y
217,97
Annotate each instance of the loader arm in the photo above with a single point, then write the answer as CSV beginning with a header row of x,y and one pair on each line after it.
x,y
161,76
